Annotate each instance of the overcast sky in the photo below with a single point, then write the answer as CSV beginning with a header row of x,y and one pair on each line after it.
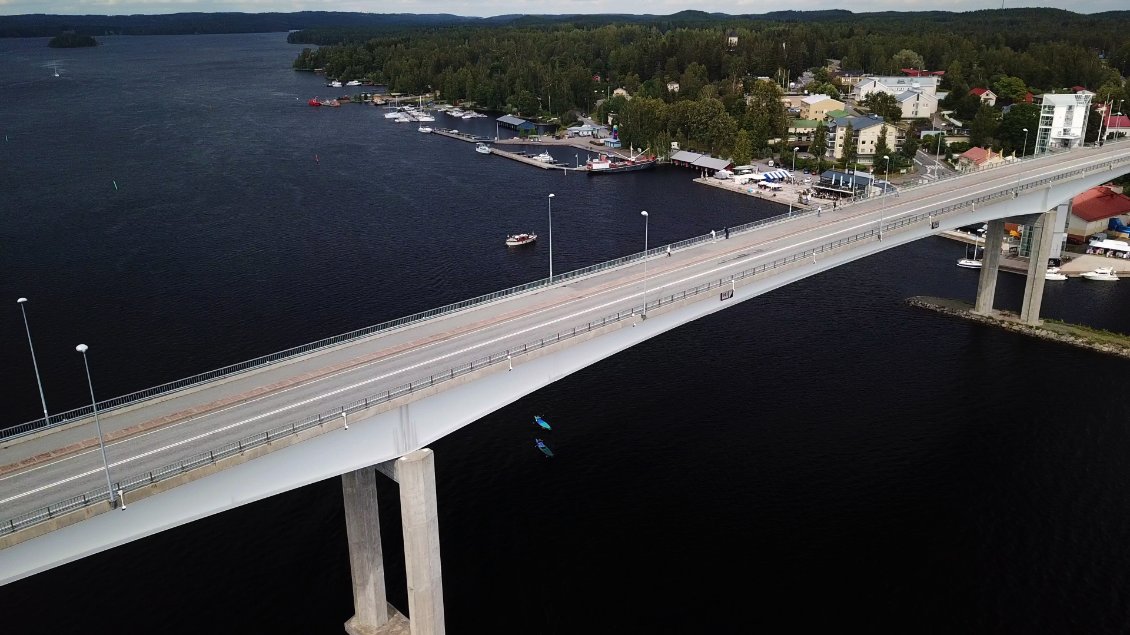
x,y
501,7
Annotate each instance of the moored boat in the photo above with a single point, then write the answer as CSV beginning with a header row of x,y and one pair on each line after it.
x,y
482,148
314,102
424,129
1102,274
1053,273
520,239
544,157
969,263
609,165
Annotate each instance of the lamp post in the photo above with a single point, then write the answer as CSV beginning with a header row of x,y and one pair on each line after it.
x,y
887,158
34,365
887,174
550,199
938,154
82,348
1024,148
645,220
794,158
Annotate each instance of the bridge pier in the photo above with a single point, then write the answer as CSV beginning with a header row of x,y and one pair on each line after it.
x,y
1043,232
990,264
415,472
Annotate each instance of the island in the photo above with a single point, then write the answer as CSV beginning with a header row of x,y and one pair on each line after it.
x,y
71,40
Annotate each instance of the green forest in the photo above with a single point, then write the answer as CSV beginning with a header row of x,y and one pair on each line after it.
x,y
555,67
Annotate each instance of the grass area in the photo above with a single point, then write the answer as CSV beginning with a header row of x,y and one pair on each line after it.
x,y
1085,332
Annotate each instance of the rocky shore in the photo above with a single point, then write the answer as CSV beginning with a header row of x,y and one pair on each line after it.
x,y
1071,334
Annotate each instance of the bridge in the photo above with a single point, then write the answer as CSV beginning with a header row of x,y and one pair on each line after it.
x,y
379,396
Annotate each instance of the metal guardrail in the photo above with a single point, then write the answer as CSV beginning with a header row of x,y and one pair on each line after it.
x,y
210,457
290,353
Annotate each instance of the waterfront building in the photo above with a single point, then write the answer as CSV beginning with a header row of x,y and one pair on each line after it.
x,y
1063,119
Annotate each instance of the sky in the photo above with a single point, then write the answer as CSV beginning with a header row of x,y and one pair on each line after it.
x,y
482,8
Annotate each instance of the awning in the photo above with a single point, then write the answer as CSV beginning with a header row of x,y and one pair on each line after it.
x,y
777,175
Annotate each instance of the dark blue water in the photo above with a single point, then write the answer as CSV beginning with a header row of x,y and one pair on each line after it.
x,y
819,457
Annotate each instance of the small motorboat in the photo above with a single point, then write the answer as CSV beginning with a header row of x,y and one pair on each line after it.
x,y
544,157
520,239
482,148
541,422
314,102
424,129
1053,273
969,263
353,82
544,448
1102,274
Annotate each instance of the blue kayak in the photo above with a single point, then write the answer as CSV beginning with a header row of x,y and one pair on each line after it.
x,y
543,447
541,422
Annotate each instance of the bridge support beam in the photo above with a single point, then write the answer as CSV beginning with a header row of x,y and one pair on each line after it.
x,y
1041,246
990,263
366,556
417,477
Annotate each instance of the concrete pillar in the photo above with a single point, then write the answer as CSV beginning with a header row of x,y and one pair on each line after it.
x,y
1042,233
990,263
417,478
366,558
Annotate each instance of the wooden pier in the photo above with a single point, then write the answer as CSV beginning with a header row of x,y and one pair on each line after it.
x,y
462,136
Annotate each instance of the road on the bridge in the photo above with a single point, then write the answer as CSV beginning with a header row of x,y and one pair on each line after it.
x,y
168,429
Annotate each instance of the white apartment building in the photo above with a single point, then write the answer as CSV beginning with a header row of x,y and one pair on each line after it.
x,y
1063,120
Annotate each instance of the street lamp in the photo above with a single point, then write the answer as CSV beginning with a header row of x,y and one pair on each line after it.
x,y
645,220
794,158
82,348
34,365
886,157
1024,148
938,154
887,175
550,199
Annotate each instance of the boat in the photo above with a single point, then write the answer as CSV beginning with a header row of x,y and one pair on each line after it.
x,y
334,84
482,148
520,239
424,129
544,448
353,82
541,422
544,157
1102,274
314,102
56,70
609,165
1053,273
970,263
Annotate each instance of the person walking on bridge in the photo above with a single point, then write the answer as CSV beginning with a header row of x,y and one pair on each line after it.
x,y
727,231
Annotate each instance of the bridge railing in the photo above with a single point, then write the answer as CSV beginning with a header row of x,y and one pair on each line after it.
x,y
291,353
137,481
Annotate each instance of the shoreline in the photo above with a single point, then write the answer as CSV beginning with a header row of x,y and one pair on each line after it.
x,y
1076,335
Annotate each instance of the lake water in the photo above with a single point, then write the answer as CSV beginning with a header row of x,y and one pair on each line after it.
x,y
821,457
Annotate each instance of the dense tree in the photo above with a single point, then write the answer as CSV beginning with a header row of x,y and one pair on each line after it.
x,y
984,126
1009,88
883,104
743,149
819,144
907,58
850,150
1010,132
881,147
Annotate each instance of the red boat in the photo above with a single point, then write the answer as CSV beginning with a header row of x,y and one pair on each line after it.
x,y
314,102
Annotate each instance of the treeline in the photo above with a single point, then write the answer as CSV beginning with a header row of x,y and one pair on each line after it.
x,y
71,40
555,67
39,25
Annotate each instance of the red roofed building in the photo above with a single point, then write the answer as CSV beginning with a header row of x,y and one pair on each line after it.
x,y
1091,210
914,72
1078,89
976,158
987,96
1115,126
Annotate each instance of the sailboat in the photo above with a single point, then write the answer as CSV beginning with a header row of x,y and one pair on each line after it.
x,y
56,70
970,263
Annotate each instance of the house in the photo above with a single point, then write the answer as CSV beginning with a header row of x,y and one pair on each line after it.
x,y
913,72
917,104
1116,126
977,159
802,129
841,184
515,123
895,85
586,130
866,131
848,78
620,92
1092,210
818,106
1063,118
731,38
672,87
702,162
986,96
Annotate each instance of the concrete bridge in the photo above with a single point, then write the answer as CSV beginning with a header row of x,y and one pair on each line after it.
x,y
379,396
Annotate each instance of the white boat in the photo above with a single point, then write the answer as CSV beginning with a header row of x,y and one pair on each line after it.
x,y
482,148
544,157
969,263
1102,274
424,129
520,239
455,112
1053,274
56,70
402,118
334,84
423,116
353,82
